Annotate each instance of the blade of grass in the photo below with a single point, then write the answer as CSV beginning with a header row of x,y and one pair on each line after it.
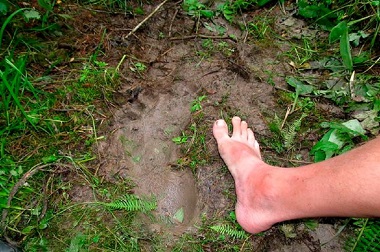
x,y
15,98
19,69
7,21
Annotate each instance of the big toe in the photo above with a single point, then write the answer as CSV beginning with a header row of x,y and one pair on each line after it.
x,y
220,130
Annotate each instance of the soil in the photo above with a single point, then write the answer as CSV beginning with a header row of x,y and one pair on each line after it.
x,y
153,106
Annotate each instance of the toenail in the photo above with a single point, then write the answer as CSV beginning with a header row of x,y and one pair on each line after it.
x,y
220,122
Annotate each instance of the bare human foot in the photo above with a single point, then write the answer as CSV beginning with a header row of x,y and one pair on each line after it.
x,y
345,186
241,153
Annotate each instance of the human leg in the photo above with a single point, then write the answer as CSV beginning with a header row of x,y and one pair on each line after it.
x,y
342,186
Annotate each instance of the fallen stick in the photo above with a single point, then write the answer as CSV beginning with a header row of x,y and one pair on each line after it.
x,y
145,19
19,184
203,36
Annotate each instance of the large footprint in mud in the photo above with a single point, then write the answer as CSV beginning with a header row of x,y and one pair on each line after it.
x,y
140,148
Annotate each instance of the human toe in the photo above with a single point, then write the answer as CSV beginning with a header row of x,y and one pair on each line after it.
x,y
236,124
244,130
220,130
251,138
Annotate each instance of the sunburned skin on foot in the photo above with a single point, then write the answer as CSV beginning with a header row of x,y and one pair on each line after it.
x,y
242,156
344,186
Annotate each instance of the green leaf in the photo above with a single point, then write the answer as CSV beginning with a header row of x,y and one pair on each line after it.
x,y
356,36
131,202
319,156
310,11
4,8
376,105
337,31
355,126
325,146
31,14
28,230
179,215
233,216
65,16
232,231
324,149
361,58
96,239
42,226
345,50
293,82
49,159
77,243
262,2
207,13
138,11
336,139
311,224
45,4
179,139
301,88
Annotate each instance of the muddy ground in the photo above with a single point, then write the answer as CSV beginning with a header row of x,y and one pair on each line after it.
x,y
153,106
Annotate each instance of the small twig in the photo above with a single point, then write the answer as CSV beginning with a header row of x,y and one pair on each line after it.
x,y
118,65
102,11
171,23
203,36
162,54
282,7
282,89
20,183
145,19
242,246
286,117
17,186
211,72
295,161
52,64
340,230
45,200
352,82
372,65
120,29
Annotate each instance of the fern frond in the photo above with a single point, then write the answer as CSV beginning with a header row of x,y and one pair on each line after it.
x,y
289,134
368,237
131,202
230,231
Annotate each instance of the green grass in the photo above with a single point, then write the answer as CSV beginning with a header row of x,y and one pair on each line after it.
x,y
193,139
217,234
82,225
45,134
114,6
49,124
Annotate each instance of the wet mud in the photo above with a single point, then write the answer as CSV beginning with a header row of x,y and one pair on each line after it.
x,y
152,107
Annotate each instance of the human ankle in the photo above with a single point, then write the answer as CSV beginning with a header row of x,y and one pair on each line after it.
x,y
277,191
260,199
